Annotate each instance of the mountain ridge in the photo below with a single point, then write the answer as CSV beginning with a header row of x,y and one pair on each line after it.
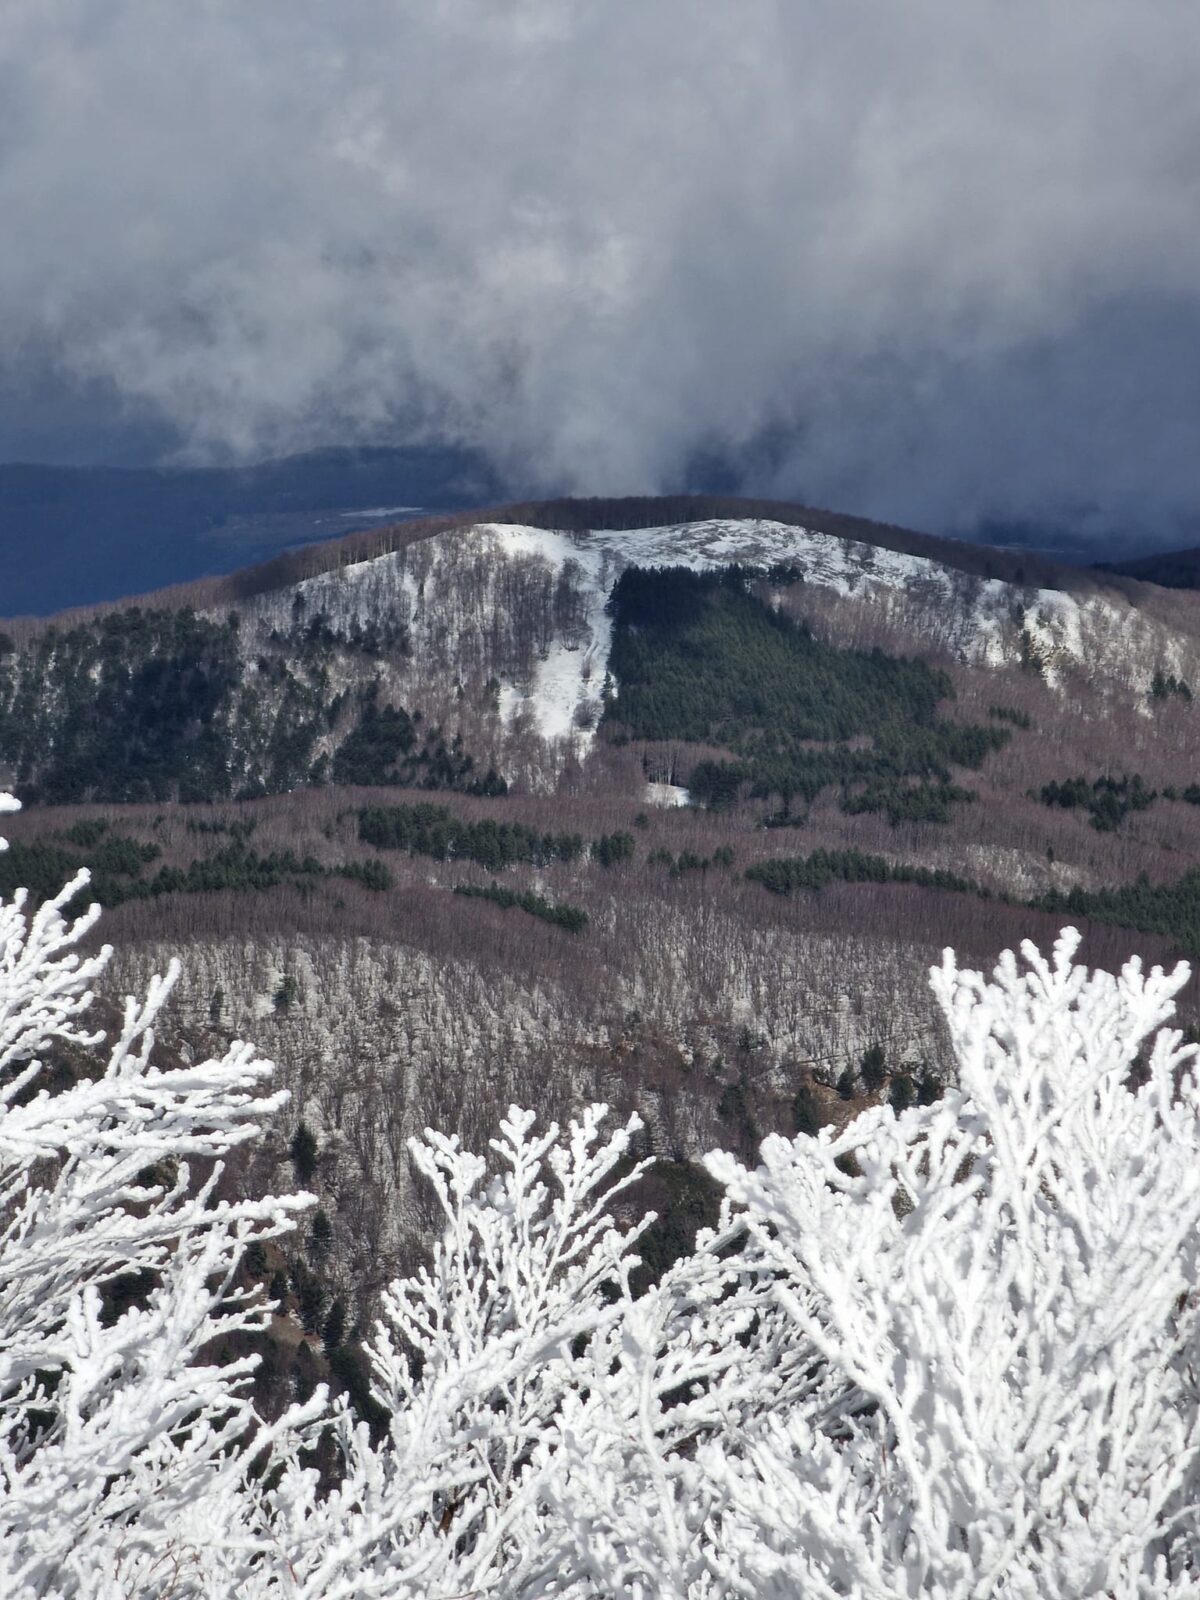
x,y
625,513
1170,569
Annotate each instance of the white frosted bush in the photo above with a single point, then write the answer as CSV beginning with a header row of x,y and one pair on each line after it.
x,y
120,1466
944,1353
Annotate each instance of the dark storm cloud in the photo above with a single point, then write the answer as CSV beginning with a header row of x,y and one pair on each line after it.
x,y
943,254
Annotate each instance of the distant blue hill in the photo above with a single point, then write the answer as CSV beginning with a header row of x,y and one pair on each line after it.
x,y
76,535
1173,569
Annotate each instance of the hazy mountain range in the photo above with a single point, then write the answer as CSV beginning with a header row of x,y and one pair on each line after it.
x,y
76,535
73,535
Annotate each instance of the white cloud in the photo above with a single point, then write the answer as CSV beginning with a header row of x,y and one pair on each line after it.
x,y
947,250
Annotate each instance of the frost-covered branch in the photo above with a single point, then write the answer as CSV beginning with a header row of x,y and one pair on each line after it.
x,y
948,1352
1009,1277
120,1440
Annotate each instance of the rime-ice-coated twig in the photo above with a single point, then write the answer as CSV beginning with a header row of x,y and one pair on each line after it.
x,y
122,1469
948,1352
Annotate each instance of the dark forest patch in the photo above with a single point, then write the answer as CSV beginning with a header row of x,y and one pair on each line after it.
x,y
1167,908
116,865
434,831
150,706
571,918
700,658
1107,800
782,875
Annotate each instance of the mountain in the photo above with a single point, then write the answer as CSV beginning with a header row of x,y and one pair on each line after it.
x,y
1173,569
77,535
669,803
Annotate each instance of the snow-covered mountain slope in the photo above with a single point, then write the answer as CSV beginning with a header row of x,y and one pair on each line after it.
x,y
525,607
490,647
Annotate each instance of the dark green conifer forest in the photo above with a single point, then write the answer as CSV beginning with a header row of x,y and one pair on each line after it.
x,y
701,658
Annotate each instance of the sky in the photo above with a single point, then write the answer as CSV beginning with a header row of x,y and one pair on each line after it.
x,y
935,261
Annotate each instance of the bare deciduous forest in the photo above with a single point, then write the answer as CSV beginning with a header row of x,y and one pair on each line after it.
x,y
287,775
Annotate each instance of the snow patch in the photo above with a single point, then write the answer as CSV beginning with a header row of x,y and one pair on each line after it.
x,y
565,697
669,795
